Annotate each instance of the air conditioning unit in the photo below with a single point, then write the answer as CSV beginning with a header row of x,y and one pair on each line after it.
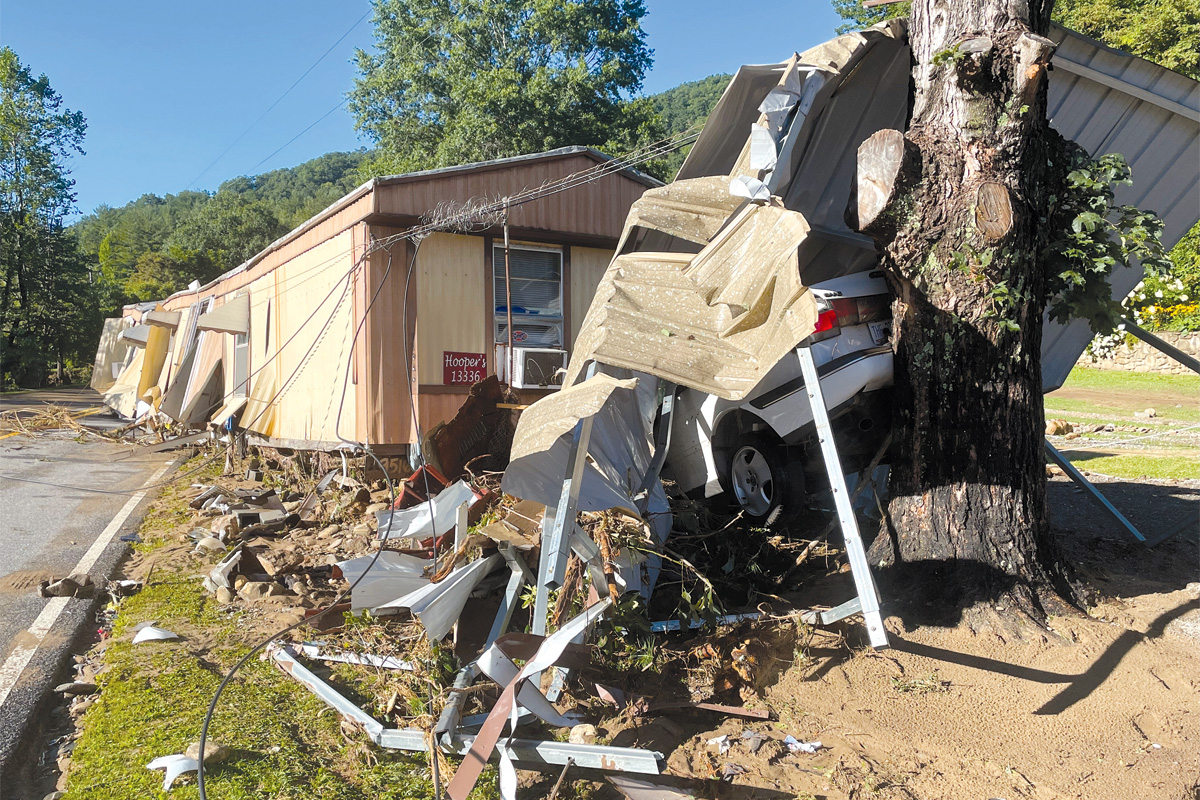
x,y
533,367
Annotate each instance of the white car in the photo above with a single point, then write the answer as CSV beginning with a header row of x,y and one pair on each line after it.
x,y
762,451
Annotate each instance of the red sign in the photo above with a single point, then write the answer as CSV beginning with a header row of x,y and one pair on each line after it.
x,y
463,368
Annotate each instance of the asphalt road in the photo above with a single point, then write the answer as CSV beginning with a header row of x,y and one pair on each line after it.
x,y
50,531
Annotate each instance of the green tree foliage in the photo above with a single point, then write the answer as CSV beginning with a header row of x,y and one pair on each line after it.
x,y
46,304
857,17
228,229
685,107
457,81
154,246
1166,32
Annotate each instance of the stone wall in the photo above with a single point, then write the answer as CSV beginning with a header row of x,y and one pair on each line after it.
x,y
1141,357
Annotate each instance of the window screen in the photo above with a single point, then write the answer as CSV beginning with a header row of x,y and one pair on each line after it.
x,y
536,296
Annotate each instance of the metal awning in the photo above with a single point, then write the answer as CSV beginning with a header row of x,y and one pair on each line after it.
x,y
135,335
231,317
162,319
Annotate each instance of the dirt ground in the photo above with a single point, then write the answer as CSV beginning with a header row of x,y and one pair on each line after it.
x,y
1101,707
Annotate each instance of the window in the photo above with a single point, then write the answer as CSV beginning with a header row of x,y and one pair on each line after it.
x,y
241,365
537,307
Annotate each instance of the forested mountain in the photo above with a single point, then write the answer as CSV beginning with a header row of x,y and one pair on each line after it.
x,y
683,107
153,246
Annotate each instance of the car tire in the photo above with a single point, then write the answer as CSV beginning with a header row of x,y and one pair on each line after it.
x,y
762,481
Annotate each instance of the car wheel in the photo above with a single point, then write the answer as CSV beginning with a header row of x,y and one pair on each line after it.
x,y
762,482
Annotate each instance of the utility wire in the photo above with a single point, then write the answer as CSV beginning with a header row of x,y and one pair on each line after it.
x,y
298,135
546,189
278,100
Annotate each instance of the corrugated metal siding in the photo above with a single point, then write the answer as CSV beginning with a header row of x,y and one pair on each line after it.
x,y
1161,144
592,209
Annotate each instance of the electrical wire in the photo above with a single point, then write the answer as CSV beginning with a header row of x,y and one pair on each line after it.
x,y
277,102
298,135
365,448
547,189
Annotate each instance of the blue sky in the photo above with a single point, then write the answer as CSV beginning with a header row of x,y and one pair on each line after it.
x,y
167,88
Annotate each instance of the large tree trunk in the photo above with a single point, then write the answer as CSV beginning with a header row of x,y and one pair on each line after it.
x,y
956,207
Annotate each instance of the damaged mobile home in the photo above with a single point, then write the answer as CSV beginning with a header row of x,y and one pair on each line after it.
x,y
702,337
245,347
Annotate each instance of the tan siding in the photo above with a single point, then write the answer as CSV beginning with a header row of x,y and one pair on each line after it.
x,y
587,267
451,295
308,407
440,407
383,371
314,237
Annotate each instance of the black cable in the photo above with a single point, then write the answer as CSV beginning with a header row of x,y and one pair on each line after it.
x,y
392,501
277,101
212,706
546,190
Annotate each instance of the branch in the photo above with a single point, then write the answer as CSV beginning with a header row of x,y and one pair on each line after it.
x,y
888,166
1033,54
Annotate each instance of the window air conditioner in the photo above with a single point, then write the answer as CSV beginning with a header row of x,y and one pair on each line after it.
x,y
533,367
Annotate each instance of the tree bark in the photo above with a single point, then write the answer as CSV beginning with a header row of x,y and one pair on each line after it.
x,y
960,249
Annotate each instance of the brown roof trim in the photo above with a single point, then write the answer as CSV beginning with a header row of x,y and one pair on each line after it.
x,y
629,173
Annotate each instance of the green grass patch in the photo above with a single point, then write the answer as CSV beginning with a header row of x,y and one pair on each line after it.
x,y
1136,466
283,741
1143,382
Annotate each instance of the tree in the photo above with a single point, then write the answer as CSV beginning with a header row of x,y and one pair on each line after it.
x,y
228,229
1166,32
684,107
456,81
37,137
984,218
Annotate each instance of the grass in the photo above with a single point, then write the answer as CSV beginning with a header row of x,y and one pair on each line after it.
x,y
1136,465
283,741
1125,393
1113,396
1090,378
926,685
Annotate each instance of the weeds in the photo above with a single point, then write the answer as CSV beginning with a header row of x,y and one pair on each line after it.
x,y
926,685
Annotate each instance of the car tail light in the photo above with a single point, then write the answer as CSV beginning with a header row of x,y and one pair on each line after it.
x,y
846,311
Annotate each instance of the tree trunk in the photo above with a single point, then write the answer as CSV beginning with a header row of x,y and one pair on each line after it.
x,y
954,208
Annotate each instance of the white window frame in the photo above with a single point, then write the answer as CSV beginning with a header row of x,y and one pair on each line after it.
x,y
499,319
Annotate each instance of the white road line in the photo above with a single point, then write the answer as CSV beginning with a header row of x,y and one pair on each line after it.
x,y
22,654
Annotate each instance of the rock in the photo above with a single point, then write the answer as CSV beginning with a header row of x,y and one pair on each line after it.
x,y
213,752
224,595
328,530
78,585
291,506
1151,413
1109,428
75,688
583,734
364,529
225,525
1058,427
376,507
258,590
240,581
363,495
82,704
1073,435
1053,471
210,543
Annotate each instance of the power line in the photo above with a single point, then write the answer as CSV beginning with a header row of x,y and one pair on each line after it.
x,y
298,135
278,100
